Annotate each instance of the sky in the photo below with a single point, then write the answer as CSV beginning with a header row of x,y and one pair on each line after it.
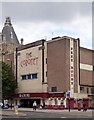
x,y
44,20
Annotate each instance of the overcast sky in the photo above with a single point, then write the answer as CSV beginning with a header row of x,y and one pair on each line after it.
x,y
43,20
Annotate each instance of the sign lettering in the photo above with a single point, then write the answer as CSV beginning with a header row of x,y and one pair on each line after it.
x,y
23,95
29,60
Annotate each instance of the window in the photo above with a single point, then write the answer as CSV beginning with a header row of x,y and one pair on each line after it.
x,y
29,76
54,89
55,101
71,52
71,56
71,79
71,75
92,90
71,60
82,88
87,90
71,71
71,83
71,48
93,68
46,60
46,74
34,76
23,77
71,67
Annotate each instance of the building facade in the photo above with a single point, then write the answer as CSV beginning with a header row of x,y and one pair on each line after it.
x,y
53,72
8,42
31,72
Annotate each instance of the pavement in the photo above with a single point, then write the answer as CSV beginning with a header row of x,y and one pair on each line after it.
x,y
22,111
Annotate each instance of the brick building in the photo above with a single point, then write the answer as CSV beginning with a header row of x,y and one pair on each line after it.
x,y
53,72
8,42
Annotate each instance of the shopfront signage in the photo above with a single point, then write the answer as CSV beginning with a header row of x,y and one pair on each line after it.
x,y
24,95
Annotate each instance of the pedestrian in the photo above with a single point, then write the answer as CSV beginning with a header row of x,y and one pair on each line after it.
x,y
18,104
69,107
43,105
34,106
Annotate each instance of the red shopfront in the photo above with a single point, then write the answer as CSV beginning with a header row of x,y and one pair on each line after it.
x,y
70,103
27,99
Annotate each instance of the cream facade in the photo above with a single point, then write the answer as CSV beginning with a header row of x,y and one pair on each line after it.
x,y
31,72
30,63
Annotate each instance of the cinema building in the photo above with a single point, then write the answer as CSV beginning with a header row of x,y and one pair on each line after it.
x,y
54,72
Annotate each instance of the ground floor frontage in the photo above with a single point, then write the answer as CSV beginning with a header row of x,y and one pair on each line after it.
x,y
51,101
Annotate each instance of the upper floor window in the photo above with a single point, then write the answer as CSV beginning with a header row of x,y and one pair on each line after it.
x,y
87,90
93,68
54,89
92,90
71,52
71,67
34,76
29,76
46,74
71,60
46,60
71,48
23,77
81,88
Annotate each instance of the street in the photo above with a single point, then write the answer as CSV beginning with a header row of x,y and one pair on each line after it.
x,y
46,114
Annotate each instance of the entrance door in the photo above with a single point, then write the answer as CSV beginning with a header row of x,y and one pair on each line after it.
x,y
28,103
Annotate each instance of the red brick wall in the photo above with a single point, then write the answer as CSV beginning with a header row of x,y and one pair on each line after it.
x,y
86,76
58,65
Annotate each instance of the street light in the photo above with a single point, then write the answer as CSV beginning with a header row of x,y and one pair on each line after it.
x,y
11,76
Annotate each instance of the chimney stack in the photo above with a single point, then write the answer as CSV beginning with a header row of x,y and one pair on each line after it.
x,y
22,41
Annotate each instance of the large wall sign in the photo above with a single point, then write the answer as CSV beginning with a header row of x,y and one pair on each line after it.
x,y
29,60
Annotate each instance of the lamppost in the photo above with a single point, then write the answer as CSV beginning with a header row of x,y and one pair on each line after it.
x,y
11,78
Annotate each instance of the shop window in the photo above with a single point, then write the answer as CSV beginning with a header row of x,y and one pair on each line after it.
x,y
62,102
34,76
29,76
54,89
55,101
23,77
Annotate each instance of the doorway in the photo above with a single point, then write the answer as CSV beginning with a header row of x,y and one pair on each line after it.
x,y
28,103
